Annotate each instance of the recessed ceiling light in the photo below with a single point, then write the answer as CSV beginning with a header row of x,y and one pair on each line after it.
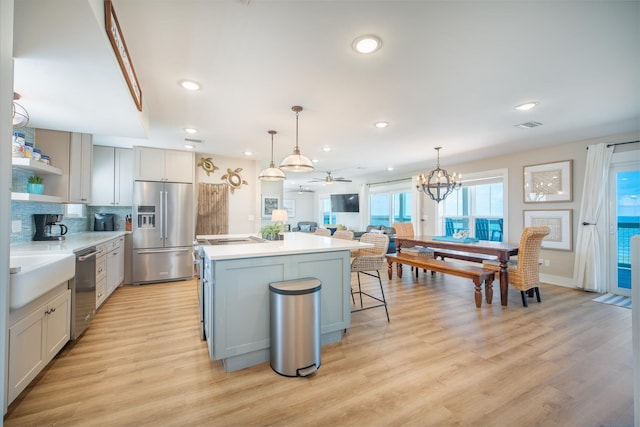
x,y
191,130
189,146
390,168
526,106
326,149
190,85
382,125
248,153
367,44
315,160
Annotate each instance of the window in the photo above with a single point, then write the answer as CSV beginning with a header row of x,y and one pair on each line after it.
x,y
477,207
328,217
390,204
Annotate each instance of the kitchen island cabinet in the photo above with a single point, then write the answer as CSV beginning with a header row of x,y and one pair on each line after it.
x,y
236,292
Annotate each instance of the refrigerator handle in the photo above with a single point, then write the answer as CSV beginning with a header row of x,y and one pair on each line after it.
x,y
161,224
166,219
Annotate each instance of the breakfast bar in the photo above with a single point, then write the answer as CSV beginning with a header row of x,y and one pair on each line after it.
x,y
237,272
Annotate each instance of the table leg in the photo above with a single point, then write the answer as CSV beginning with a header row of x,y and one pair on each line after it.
x,y
390,269
504,281
399,267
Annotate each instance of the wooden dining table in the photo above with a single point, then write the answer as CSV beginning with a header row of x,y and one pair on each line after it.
x,y
503,251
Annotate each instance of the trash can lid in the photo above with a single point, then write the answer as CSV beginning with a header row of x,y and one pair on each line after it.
x,y
296,287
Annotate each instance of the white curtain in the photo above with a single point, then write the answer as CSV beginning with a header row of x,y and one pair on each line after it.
x,y
589,271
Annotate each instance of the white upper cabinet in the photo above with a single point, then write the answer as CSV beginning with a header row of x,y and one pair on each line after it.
x,y
80,161
154,164
112,182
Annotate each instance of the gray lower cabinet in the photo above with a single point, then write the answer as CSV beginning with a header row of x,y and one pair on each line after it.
x,y
236,297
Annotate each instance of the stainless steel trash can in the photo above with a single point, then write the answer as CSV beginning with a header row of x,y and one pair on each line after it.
x,y
295,327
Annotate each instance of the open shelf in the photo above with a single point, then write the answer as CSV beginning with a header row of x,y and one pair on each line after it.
x,y
28,197
31,165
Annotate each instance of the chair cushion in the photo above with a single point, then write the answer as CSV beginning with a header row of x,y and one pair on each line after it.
x,y
305,227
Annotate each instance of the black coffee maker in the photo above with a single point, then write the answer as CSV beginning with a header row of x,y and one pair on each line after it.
x,y
48,227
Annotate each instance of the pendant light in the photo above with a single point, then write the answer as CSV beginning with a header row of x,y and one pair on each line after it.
x,y
296,162
272,173
19,115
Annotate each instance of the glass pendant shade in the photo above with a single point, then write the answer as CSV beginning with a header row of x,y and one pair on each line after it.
x,y
296,162
20,117
272,173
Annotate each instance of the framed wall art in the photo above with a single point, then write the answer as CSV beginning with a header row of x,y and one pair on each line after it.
x,y
548,182
559,221
290,206
269,203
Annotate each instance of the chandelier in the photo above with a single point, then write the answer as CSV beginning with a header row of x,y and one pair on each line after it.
x,y
296,162
272,173
439,184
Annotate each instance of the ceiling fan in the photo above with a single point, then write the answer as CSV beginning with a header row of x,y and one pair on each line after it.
x,y
302,190
329,179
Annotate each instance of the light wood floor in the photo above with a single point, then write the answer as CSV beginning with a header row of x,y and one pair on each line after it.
x,y
439,362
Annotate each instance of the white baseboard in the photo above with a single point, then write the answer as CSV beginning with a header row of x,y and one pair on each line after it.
x,y
566,282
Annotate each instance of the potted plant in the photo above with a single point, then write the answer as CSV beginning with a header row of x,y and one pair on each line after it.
x,y
35,185
271,231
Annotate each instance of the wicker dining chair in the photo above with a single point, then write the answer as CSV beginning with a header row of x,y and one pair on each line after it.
x,y
368,261
343,234
403,229
322,232
524,272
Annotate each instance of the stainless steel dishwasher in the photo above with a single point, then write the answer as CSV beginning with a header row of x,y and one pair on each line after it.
x,y
83,291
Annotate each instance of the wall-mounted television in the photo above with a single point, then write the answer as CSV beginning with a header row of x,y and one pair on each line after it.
x,y
345,203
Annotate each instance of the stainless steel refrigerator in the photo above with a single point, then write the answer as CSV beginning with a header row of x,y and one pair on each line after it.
x,y
162,231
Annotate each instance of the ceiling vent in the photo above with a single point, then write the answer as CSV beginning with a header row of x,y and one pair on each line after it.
x,y
199,141
528,125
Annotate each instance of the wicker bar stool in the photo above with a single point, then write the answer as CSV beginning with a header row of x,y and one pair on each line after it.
x,y
368,261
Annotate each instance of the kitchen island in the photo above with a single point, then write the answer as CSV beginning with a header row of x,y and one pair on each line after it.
x,y
236,278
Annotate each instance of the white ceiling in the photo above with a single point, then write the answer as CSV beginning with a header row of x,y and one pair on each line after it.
x,y
449,74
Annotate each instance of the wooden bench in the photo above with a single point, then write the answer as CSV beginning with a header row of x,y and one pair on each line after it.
x,y
479,275
465,256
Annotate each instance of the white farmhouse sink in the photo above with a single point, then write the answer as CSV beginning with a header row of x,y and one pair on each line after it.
x,y
38,273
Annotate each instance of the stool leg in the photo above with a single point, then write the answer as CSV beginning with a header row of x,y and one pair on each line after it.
x,y
383,298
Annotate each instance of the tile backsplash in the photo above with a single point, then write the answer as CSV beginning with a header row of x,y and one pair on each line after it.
x,y
24,211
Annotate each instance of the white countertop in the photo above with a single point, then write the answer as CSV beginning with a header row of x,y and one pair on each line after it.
x,y
71,243
293,243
